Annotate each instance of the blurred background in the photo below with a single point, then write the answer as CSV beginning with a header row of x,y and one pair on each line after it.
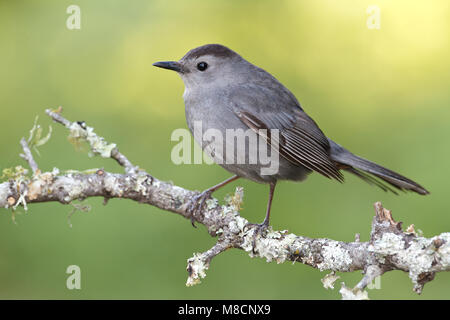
x,y
383,93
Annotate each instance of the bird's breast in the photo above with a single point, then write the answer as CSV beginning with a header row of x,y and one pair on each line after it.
x,y
213,112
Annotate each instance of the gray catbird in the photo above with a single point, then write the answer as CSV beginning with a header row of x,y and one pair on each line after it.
x,y
225,91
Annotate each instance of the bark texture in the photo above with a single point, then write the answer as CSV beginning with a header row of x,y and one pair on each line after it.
x,y
390,248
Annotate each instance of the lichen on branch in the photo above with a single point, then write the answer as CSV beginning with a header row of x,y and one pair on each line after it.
x,y
389,248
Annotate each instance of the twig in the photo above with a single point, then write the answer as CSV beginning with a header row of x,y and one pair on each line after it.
x,y
372,271
199,263
27,156
389,247
96,142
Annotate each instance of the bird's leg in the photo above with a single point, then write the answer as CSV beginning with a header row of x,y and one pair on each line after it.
x,y
263,226
197,201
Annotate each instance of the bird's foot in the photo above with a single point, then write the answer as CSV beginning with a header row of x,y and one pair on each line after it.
x,y
260,228
196,204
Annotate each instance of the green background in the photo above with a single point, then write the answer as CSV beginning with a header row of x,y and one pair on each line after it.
x,y
384,94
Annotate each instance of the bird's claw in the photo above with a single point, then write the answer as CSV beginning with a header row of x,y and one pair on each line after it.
x,y
259,229
196,203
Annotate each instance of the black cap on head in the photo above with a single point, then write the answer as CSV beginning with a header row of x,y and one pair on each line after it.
x,y
216,50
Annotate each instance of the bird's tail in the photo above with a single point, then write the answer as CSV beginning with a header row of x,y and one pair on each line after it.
x,y
369,171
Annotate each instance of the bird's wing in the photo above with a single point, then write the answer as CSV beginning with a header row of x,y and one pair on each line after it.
x,y
300,140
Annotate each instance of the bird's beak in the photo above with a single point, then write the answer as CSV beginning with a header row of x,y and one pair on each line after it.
x,y
171,65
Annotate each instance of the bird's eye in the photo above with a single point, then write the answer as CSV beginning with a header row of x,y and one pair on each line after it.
x,y
202,66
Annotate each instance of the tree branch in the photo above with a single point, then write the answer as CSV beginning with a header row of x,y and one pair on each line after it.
x,y
389,247
27,156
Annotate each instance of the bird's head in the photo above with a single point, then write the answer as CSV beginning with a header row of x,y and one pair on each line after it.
x,y
206,65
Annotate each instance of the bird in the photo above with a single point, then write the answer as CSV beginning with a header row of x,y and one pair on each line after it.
x,y
224,91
